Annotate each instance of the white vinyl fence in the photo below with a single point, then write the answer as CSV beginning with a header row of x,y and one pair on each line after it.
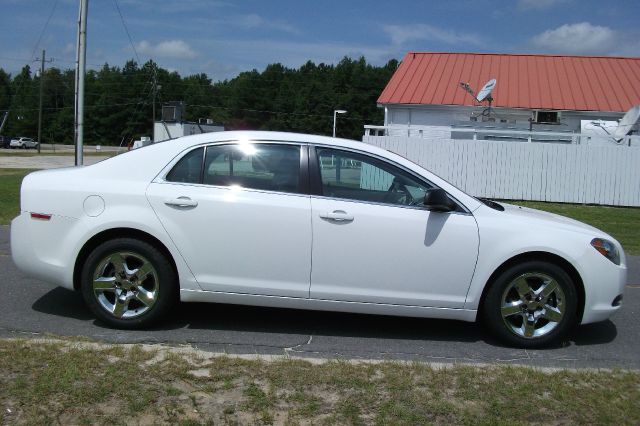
x,y
528,171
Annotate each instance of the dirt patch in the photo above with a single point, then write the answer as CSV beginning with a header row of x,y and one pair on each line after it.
x,y
66,382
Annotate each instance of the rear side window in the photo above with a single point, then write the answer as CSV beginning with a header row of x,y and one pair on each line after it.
x,y
269,167
188,169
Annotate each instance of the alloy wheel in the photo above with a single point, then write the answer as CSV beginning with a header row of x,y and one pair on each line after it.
x,y
125,284
533,305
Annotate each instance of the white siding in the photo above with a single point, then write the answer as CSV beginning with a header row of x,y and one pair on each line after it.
x,y
528,171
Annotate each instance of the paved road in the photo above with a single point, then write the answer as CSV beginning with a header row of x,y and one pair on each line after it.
x,y
31,306
44,161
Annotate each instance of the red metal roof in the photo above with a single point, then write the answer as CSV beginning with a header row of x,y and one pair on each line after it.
x,y
581,83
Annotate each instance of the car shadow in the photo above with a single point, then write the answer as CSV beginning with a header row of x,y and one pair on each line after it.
x,y
595,334
64,303
205,316
212,316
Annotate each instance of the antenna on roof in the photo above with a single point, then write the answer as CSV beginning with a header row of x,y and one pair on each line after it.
x,y
483,95
467,88
625,125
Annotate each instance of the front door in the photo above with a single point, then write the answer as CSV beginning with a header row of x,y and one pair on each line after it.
x,y
373,241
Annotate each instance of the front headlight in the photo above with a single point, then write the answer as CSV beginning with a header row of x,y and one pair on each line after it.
x,y
607,249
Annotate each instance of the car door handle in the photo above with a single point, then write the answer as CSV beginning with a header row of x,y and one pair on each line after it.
x,y
182,202
338,216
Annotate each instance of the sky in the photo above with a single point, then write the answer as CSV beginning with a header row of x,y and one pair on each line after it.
x,y
225,37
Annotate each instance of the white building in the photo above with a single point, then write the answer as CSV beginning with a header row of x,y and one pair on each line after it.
x,y
562,95
173,126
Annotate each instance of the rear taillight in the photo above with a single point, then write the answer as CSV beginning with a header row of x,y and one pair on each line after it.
x,y
40,216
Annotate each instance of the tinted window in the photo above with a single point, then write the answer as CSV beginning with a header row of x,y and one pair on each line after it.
x,y
188,169
257,166
358,177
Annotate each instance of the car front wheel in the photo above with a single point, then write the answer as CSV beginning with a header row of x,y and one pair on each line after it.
x,y
531,304
128,283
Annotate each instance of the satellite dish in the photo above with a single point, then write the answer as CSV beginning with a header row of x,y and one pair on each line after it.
x,y
483,95
627,122
485,92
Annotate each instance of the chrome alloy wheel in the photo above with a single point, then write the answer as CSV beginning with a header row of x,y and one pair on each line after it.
x,y
533,305
125,284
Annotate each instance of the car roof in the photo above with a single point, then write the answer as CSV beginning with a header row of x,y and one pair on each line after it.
x,y
257,135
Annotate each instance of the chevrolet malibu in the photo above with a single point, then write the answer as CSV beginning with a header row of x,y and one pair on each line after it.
x,y
307,222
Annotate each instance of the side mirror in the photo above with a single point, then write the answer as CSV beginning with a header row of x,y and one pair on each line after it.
x,y
437,200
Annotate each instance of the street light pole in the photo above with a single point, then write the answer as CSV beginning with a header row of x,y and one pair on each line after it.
x,y
41,92
40,107
335,113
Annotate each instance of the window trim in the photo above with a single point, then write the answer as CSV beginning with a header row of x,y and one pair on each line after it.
x,y
303,177
316,178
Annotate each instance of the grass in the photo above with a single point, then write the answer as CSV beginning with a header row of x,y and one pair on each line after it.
x,y
10,180
623,223
43,382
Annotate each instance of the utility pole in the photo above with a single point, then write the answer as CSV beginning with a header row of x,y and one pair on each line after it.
x,y
4,120
81,66
155,88
42,61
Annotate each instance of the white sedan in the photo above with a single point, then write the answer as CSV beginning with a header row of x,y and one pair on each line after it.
x,y
307,222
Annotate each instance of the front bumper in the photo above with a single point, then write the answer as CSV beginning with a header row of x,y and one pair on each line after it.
x,y
603,283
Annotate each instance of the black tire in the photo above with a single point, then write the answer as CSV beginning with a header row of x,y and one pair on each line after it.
x,y
492,316
164,283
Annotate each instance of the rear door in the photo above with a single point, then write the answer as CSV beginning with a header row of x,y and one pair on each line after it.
x,y
240,215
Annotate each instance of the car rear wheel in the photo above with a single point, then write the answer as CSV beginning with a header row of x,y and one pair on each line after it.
x,y
128,283
531,304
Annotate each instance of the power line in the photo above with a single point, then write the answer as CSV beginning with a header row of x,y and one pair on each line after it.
x,y
115,2
300,114
46,24
33,53
151,80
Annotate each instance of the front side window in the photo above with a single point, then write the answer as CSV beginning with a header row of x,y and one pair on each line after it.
x,y
359,177
268,167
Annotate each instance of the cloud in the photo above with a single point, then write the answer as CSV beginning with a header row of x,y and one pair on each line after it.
x,y
581,38
401,34
181,6
261,52
538,4
253,21
217,70
167,49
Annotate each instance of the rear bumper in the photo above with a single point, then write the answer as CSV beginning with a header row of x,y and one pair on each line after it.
x,y
37,248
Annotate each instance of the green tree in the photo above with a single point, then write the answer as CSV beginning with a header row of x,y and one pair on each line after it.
x,y
119,101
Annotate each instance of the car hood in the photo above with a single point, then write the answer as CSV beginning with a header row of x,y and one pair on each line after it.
x,y
550,220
